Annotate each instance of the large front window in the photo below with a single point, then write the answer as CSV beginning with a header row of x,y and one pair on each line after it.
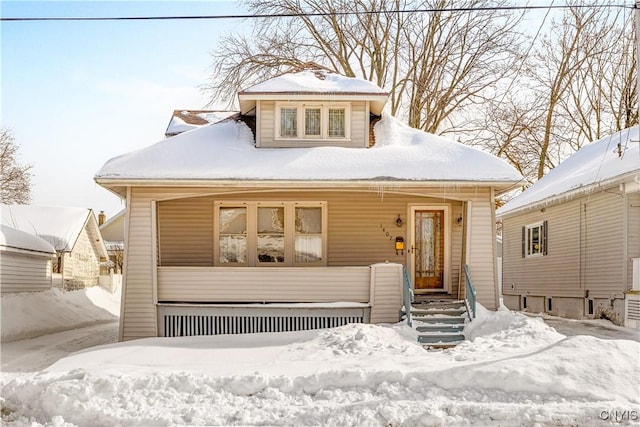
x,y
270,233
298,121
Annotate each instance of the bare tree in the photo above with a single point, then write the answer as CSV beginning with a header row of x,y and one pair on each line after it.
x,y
602,96
15,178
574,43
432,64
578,86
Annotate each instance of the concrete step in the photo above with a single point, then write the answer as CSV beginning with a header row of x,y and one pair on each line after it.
x,y
440,338
440,327
452,304
438,311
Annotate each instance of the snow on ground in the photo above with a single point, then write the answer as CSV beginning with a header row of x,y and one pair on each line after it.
x,y
31,314
514,370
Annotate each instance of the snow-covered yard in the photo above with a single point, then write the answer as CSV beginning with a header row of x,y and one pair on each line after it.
x,y
514,370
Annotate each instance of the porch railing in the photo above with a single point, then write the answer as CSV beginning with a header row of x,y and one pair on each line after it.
x,y
407,294
470,294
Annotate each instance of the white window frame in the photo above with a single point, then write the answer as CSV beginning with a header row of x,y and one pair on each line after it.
x,y
301,107
252,232
528,241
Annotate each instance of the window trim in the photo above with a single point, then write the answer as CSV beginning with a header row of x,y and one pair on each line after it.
x,y
526,240
301,108
252,232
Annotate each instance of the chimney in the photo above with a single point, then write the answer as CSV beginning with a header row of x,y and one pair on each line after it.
x,y
102,218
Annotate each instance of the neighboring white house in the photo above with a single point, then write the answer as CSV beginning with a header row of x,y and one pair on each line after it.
x,y
25,261
571,240
73,233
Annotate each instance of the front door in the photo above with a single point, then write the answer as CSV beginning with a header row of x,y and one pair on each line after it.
x,y
428,250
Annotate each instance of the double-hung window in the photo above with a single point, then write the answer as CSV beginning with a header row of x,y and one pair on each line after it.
x,y
270,234
317,121
534,239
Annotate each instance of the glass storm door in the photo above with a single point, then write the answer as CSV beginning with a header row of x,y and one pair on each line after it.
x,y
429,249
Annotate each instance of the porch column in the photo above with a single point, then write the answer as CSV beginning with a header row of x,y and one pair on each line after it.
x,y
386,292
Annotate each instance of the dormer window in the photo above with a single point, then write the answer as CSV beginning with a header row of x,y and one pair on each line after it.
x,y
316,121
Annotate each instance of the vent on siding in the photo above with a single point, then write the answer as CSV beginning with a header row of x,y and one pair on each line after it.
x,y
633,309
180,325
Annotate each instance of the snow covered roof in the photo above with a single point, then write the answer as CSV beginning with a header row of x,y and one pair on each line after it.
x,y
588,168
225,151
313,80
184,120
21,240
60,226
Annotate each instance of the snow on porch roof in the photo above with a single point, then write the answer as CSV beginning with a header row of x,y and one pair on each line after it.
x,y
594,163
225,151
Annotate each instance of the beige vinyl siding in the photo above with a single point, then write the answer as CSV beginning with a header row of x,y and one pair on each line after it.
x,y
354,234
603,229
387,298
265,123
23,272
255,284
482,254
186,233
585,250
357,224
359,124
266,128
633,233
138,317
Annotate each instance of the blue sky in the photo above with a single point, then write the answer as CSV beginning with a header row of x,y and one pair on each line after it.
x,y
76,94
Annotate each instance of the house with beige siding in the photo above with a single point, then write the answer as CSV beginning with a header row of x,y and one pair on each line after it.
x,y
301,212
571,241
25,261
73,233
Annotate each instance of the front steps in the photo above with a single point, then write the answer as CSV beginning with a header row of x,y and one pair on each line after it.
x,y
440,323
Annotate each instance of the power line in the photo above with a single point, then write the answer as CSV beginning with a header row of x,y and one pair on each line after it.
x,y
311,14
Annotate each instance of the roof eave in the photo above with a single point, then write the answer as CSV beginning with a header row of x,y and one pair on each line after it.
x,y
499,185
572,194
248,100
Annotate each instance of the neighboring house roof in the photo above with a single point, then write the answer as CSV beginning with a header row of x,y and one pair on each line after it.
x,y
588,169
11,238
225,151
113,229
314,81
184,120
60,226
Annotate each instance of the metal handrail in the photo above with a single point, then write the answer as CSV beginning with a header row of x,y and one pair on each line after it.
x,y
407,294
470,294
